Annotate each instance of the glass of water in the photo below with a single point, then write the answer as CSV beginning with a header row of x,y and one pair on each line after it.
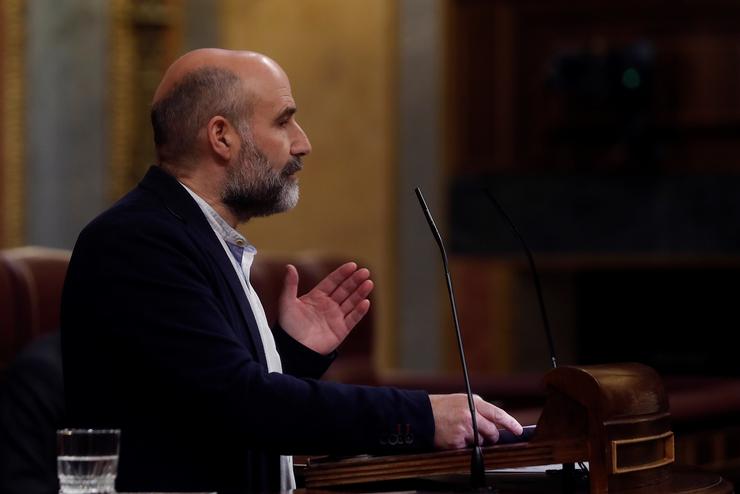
x,y
87,460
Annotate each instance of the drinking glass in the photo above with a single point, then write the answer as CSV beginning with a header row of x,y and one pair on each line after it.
x,y
87,460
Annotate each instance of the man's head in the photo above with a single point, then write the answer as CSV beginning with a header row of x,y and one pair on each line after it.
x,y
224,120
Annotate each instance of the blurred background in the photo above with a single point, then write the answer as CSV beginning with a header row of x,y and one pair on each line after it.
x,y
609,131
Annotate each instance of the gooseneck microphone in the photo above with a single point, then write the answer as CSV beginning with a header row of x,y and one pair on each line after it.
x,y
568,468
477,466
533,270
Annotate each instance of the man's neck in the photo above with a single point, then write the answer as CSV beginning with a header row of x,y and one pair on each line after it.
x,y
207,188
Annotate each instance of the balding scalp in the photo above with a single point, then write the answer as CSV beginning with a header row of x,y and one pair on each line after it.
x,y
178,116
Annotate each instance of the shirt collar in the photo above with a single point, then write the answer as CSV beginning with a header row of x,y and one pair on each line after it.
x,y
235,241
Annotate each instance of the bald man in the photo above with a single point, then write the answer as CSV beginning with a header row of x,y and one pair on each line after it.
x,y
164,337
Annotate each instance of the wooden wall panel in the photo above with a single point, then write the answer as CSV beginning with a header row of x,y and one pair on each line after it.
x,y
146,37
2,122
12,135
513,112
608,129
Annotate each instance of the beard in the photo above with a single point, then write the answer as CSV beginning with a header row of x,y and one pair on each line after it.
x,y
253,188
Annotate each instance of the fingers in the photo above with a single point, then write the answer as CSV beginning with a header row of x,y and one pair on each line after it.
x,y
290,284
357,296
497,416
336,278
348,286
453,427
357,314
487,430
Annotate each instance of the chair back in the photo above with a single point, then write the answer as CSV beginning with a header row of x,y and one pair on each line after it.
x,y
31,281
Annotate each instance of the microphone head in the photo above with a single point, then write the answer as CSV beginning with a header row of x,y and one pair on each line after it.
x,y
432,225
420,197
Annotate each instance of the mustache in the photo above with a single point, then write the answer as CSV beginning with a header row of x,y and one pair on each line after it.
x,y
295,164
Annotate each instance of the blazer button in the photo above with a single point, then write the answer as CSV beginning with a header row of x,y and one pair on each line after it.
x,y
383,439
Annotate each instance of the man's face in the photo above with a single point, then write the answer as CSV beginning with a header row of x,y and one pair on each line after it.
x,y
263,180
254,187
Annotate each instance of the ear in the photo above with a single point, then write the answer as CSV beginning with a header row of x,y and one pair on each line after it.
x,y
222,137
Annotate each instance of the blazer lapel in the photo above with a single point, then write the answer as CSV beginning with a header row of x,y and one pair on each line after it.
x,y
219,256
181,205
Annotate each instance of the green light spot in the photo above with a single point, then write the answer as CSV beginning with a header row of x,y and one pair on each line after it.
x,y
631,78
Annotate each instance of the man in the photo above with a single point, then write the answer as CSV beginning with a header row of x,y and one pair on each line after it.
x,y
164,337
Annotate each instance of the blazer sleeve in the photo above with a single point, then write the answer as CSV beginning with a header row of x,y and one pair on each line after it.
x,y
144,327
299,360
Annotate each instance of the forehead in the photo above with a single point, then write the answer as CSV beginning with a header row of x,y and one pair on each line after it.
x,y
269,88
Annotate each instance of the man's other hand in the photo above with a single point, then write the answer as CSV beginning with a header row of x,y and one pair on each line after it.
x,y
453,427
323,317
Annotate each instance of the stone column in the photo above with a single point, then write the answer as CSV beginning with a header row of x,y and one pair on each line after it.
x,y
420,275
67,115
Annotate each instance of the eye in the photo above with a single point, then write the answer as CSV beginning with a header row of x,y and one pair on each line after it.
x,y
285,118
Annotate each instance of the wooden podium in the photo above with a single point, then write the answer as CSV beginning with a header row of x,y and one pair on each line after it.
x,y
615,417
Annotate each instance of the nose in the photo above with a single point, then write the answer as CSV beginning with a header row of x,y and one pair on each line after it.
x,y
301,145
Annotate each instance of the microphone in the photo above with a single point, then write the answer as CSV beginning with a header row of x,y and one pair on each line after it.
x,y
477,466
533,270
568,468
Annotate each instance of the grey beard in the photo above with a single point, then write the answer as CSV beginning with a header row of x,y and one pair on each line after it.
x,y
254,189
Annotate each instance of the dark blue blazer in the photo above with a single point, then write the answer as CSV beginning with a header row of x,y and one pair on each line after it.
x,y
159,340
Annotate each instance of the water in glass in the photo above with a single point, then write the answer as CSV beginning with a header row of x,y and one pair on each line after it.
x,y
87,474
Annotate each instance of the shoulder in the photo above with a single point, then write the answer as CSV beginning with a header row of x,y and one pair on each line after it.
x,y
138,236
137,213
157,206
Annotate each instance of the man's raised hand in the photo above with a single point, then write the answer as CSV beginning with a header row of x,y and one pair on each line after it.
x,y
323,317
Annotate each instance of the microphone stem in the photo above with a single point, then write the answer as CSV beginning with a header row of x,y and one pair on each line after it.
x,y
477,467
460,350
543,312
533,270
477,464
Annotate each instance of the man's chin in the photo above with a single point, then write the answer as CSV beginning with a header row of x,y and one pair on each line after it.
x,y
284,204
290,196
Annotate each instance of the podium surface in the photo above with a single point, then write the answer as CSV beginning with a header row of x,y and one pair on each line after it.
x,y
683,481
615,417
